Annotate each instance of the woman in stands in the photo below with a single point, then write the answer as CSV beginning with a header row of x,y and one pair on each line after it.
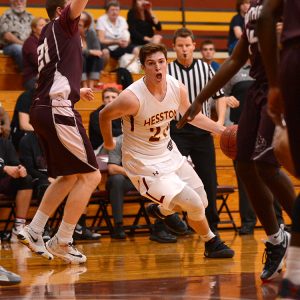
x,y
142,23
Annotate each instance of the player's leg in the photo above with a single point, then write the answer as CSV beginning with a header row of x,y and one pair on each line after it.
x,y
31,235
193,200
61,244
289,78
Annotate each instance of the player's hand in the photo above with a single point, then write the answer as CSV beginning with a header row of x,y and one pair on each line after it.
x,y
190,114
276,106
12,171
87,94
22,171
232,102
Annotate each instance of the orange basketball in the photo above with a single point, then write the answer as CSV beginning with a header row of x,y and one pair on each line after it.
x,y
228,141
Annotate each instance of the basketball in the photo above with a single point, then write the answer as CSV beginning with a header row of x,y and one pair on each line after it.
x,y
228,141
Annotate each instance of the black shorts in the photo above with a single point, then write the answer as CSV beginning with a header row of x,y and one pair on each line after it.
x,y
9,185
290,85
67,147
256,129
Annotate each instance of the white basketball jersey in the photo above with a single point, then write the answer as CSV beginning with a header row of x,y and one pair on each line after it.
x,y
147,138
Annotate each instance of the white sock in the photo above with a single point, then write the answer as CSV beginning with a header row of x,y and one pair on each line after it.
x,y
293,265
38,222
276,238
65,232
207,237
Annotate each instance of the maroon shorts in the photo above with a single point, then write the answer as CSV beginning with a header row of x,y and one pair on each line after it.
x,y
256,129
290,85
64,139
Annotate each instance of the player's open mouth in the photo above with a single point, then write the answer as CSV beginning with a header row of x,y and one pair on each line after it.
x,y
159,76
185,55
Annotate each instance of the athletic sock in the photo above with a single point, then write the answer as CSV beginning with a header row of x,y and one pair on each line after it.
x,y
276,238
65,232
207,237
38,222
293,265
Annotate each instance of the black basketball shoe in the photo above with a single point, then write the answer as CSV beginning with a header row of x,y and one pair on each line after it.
x,y
273,258
173,222
216,248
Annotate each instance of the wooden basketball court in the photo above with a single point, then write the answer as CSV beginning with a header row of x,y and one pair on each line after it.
x,y
138,268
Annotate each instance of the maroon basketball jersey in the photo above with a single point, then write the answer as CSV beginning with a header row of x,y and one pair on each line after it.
x,y
59,60
291,27
250,35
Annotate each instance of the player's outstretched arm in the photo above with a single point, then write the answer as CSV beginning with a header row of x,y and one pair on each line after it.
x,y
76,8
199,120
226,71
125,105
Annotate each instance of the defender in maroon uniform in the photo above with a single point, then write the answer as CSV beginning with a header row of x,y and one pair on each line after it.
x,y
69,154
283,99
256,165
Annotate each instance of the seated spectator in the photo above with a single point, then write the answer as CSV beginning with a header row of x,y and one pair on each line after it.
x,y
14,30
14,181
118,184
33,158
113,33
208,51
4,122
237,24
92,61
20,123
108,95
142,22
30,56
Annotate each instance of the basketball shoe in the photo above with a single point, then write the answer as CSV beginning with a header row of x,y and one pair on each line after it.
x,y
34,242
66,252
173,222
273,258
8,278
288,290
216,248
14,233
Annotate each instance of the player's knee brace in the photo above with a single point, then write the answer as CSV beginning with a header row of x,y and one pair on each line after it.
x,y
296,216
190,201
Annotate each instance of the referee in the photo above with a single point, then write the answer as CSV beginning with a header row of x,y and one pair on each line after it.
x,y
192,141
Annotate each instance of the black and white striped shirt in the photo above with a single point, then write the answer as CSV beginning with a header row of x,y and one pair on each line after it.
x,y
195,77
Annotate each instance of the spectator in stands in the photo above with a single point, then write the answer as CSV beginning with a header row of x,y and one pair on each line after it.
x,y
33,158
207,49
4,122
20,123
108,95
113,33
118,184
237,23
142,22
92,54
29,52
237,88
14,181
14,30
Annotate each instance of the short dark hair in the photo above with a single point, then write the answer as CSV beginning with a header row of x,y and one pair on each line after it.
x,y
149,49
52,5
112,3
183,32
207,42
239,3
110,89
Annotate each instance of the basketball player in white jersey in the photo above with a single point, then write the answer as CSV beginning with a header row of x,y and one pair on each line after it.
x,y
150,158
